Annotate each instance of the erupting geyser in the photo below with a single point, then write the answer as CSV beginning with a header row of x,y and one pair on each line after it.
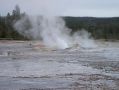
x,y
52,31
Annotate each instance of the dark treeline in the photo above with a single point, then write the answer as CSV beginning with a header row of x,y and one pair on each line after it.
x,y
7,30
100,28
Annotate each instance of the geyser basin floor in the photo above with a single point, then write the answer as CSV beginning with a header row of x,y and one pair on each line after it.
x,y
23,66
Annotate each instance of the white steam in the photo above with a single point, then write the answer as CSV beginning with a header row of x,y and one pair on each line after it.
x,y
53,32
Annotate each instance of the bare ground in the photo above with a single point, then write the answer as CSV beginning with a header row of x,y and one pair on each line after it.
x,y
29,65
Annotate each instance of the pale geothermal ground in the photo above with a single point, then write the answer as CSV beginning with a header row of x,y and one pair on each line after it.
x,y
28,65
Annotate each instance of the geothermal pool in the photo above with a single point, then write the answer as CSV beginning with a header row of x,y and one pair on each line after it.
x,y
28,65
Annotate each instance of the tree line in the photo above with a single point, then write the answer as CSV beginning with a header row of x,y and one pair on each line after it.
x,y
7,30
100,28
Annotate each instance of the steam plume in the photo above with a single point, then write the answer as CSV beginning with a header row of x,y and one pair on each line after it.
x,y
53,32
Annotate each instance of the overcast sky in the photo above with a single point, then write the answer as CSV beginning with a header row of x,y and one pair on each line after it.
x,y
95,8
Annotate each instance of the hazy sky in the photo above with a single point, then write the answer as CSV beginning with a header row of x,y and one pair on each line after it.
x,y
97,8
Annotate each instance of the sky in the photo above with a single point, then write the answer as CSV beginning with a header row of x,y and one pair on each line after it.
x,y
93,8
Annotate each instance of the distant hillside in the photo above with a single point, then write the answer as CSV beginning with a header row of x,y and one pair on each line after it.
x,y
101,28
